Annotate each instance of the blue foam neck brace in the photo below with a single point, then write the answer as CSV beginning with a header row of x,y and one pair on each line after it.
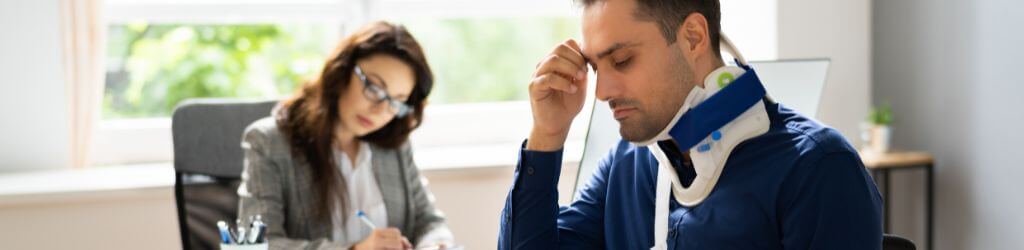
x,y
725,113
717,110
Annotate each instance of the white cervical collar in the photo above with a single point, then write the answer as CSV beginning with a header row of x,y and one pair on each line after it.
x,y
708,163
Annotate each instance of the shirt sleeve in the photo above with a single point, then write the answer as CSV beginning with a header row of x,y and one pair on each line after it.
x,y
532,218
831,204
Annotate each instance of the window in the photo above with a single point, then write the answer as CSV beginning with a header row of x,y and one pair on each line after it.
x,y
152,67
161,52
487,59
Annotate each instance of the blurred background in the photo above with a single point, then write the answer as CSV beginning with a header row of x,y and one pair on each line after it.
x,y
88,88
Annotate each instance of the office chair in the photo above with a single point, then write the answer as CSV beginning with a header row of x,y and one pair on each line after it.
x,y
895,242
208,160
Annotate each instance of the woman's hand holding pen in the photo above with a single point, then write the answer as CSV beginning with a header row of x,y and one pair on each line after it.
x,y
387,238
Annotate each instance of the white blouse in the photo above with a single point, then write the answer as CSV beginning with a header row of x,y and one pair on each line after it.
x,y
363,194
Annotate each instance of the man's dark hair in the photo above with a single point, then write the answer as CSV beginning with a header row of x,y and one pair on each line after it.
x,y
669,14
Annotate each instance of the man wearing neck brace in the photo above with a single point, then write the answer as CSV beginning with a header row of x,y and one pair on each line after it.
x,y
707,160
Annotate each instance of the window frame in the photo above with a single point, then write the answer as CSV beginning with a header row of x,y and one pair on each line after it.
x,y
441,143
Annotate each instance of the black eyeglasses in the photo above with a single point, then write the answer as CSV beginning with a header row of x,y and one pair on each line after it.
x,y
376,94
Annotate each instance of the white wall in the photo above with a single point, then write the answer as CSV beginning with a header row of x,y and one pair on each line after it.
x,y
33,130
839,30
126,219
946,66
752,27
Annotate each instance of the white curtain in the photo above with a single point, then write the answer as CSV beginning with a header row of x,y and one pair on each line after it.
x,y
83,34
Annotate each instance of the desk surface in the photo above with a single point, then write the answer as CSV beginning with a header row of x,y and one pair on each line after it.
x,y
895,159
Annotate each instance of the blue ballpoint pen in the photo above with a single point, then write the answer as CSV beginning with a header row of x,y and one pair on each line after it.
x,y
366,221
225,234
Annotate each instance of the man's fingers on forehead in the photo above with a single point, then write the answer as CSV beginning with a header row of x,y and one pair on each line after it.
x,y
573,44
557,64
572,55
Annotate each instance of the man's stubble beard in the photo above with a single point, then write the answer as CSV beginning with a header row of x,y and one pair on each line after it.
x,y
663,104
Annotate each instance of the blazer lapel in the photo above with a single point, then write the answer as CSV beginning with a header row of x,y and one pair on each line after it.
x,y
317,228
388,171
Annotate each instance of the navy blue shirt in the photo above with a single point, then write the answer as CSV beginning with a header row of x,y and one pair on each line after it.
x,y
799,186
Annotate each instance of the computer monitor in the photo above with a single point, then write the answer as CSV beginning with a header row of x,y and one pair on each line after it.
x,y
797,84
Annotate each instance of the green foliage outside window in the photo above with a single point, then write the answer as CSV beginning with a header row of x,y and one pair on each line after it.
x,y
152,67
477,60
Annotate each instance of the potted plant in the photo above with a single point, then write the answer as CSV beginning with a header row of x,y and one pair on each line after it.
x,y
879,130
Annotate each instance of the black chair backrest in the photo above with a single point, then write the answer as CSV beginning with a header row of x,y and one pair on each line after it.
x,y
208,164
895,242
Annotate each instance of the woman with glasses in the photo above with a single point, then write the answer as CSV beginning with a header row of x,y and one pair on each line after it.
x,y
339,148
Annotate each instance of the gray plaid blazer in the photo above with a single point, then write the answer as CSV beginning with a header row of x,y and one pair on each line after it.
x,y
279,189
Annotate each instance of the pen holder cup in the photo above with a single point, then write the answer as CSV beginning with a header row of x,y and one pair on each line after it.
x,y
261,246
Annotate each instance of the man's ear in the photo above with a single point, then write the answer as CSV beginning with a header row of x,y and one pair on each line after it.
x,y
692,37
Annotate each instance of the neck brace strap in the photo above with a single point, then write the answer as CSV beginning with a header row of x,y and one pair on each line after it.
x,y
719,109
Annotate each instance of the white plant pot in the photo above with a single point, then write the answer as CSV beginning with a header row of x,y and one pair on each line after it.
x,y
880,137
